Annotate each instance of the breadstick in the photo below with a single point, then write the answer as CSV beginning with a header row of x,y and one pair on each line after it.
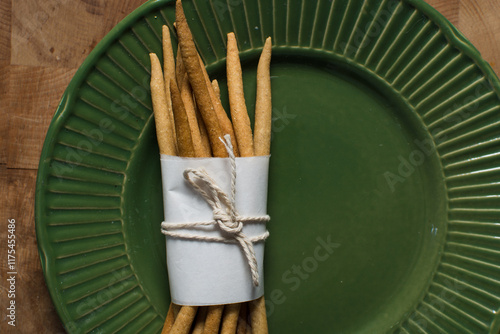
x,y
184,320
262,137
203,131
194,71
180,71
225,123
215,86
183,130
199,322
166,141
169,321
168,54
187,99
227,127
168,72
239,114
172,313
263,107
242,319
230,318
214,315
176,308
258,316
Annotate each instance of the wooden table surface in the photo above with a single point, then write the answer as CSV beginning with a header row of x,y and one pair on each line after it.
x,y
42,43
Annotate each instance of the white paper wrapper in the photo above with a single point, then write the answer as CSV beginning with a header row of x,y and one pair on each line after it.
x,y
211,273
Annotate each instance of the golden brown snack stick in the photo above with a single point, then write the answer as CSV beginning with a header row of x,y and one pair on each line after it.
x,y
242,319
258,317
184,320
177,309
225,123
263,107
183,130
230,318
173,310
199,322
168,54
180,71
203,131
168,72
239,114
194,71
166,140
187,99
169,321
214,315
215,86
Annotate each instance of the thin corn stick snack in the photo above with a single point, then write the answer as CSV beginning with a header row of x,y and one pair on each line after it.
x,y
215,261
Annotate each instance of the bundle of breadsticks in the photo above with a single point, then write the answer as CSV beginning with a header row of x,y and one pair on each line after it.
x,y
191,122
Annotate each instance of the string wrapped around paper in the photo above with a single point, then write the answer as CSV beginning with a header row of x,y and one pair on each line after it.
x,y
215,225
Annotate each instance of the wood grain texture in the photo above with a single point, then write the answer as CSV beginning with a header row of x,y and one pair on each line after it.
x,y
449,9
38,90
5,30
62,32
34,314
42,43
4,125
479,21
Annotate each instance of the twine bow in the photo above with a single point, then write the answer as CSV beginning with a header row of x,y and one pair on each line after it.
x,y
225,215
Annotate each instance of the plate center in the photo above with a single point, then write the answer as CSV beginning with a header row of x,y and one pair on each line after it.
x,y
357,201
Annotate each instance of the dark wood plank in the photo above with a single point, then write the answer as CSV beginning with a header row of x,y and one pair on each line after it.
x,y
448,8
33,95
5,31
62,32
4,124
479,22
34,311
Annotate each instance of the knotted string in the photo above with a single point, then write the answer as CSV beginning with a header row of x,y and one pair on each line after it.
x,y
225,215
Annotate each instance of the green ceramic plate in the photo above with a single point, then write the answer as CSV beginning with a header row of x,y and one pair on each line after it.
x,y
384,183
